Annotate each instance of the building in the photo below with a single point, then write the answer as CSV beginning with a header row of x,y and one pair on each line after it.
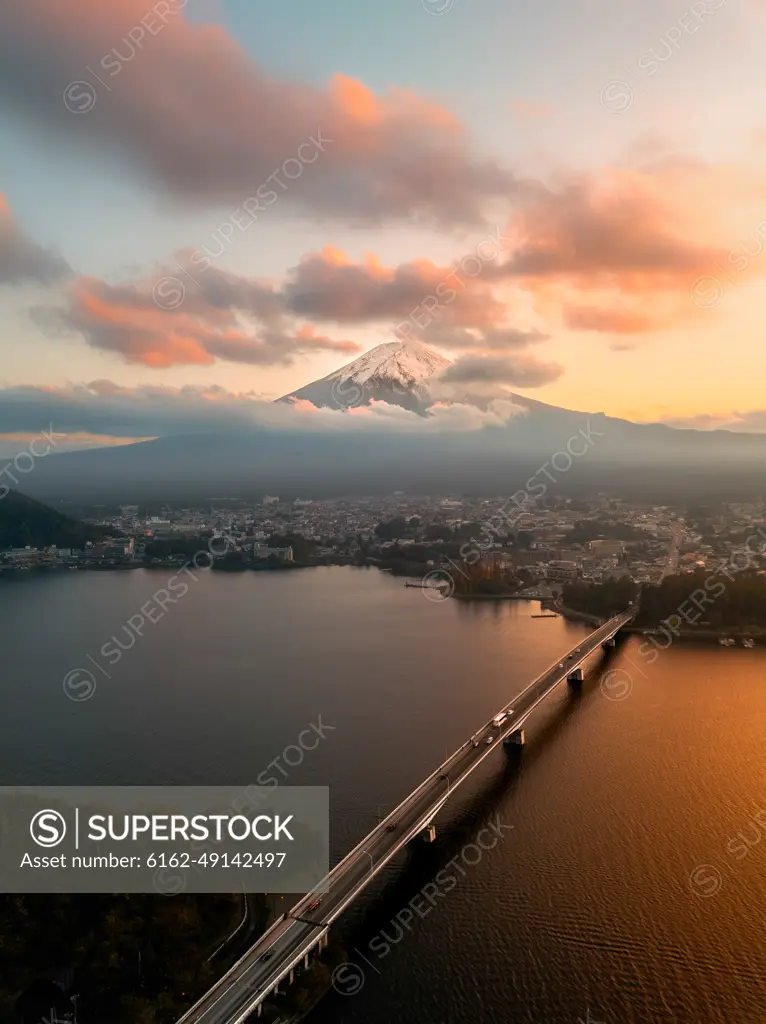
x,y
616,573
120,549
498,558
262,551
606,548
562,570
23,555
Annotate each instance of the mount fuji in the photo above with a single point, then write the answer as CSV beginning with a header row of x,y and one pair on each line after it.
x,y
400,373
282,454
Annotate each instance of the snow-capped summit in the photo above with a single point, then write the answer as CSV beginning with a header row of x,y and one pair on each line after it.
x,y
397,372
408,362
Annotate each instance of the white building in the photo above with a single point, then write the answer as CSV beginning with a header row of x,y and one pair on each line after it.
x,y
263,551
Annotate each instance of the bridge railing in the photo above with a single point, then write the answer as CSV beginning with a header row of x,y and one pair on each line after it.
x,y
225,977
352,854
532,686
359,848
392,814
605,626
438,771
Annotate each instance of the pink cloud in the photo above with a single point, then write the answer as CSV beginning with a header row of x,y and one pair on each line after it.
x,y
328,286
160,322
21,259
619,251
187,106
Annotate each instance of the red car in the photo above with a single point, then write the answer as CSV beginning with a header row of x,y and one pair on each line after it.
x,y
315,904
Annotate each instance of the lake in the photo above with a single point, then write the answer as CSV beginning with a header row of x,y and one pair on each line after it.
x,y
629,887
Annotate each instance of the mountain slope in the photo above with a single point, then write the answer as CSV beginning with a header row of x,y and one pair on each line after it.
x,y
492,453
28,523
621,458
395,372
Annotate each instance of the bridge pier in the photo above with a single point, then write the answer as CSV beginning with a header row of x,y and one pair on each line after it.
x,y
322,944
516,739
291,976
306,962
611,642
574,679
259,1011
429,834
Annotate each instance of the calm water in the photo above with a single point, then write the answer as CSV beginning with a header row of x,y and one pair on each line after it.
x,y
589,908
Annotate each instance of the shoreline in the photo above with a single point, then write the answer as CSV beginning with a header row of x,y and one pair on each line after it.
x,y
18,571
706,635
576,616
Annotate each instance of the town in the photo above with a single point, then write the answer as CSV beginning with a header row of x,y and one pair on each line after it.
x,y
551,540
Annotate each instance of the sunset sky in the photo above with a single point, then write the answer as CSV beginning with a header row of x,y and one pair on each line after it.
x,y
596,165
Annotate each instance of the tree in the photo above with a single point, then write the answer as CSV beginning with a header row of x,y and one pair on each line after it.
x,y
600,599
438,531
392,529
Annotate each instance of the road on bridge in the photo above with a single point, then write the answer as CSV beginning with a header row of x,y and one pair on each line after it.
x,y
285,944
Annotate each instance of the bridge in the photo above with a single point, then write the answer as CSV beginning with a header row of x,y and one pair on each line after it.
x,y
273,959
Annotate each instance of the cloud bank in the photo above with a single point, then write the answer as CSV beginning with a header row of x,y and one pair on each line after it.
x,y
104,409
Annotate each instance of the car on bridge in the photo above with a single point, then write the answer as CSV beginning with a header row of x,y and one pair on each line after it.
x,y
315,904
391,827
266,956
489,739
